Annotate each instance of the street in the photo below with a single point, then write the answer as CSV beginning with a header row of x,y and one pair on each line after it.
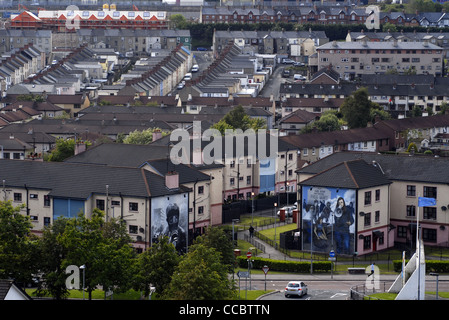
x,y
316,290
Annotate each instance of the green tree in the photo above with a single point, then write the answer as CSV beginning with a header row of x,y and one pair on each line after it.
x,y
64,149
51,256
238,119
142,137
221,241
201,275
16,244
155,266
104,248
356,109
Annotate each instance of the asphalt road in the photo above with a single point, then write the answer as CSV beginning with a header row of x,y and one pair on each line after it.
x,y
316,290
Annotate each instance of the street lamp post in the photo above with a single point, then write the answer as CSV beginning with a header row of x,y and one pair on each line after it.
x,y
83,267
252,208
274,209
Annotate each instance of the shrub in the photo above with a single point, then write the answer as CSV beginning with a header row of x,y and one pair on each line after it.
x,y
285,265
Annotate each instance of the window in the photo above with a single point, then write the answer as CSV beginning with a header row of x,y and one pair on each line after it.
x,y
133,229
100,204
367,242
115,203
33,196
232,164
430,192
200,189
46,201
367,198
411,210
402,232
367,219
377,216
411,191
17,196
430,213
200,209
46,221
133,206
232,181
429,235
377,195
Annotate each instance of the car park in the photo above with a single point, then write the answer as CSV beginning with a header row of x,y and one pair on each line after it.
x,y
295,288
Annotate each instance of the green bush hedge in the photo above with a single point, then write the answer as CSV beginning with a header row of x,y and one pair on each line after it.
x,y
285,266
431,266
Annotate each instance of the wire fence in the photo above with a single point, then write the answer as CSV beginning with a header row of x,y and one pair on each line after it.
x,y
364,292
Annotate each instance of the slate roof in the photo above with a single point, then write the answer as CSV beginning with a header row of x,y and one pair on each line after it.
x,y
80,181
395,167
354,174
118,154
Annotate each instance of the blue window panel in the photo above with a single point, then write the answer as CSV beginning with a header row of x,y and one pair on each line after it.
x,y
68,208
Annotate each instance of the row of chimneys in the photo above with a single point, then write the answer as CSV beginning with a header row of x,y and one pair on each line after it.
x,y
151,72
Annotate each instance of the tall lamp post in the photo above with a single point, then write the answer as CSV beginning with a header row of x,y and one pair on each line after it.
x,y
252,208
274,213
83,267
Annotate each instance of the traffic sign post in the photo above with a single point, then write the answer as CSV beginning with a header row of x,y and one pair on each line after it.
x,y
265,270
332,258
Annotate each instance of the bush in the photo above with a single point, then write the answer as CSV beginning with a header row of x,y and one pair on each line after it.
x,y
285,266
431,266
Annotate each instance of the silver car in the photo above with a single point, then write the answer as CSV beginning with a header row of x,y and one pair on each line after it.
x,y
295,288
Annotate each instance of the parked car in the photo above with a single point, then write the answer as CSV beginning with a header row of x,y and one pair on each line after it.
x,y
201,49
299,64
286,73
295,288
188,76
195,68
288,61
299,77
181,85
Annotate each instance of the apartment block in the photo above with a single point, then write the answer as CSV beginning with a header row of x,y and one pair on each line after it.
x,y
352,59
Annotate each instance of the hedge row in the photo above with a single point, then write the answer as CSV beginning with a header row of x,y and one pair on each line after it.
x,y
285,266
431,266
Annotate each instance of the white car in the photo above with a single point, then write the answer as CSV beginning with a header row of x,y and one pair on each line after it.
x,y
181,84
188,76
295,288
195,68
299,77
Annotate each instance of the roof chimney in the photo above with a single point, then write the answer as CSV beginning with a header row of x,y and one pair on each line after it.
x,y
157,134
172,180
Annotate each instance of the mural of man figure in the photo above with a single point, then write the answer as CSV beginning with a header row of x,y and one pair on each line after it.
x,y
176,233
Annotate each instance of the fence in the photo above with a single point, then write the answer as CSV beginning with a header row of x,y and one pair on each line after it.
x,y
362,292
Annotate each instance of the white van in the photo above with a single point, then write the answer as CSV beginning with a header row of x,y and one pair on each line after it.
x,y
188,76
299,77
195,68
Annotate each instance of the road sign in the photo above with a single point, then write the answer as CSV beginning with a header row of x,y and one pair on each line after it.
x,y
332,254
249,255
243,274
265,269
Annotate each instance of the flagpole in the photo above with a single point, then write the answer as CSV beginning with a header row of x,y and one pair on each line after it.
x,y
418,248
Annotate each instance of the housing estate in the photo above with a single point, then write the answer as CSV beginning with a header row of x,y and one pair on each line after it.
x,y
384,191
